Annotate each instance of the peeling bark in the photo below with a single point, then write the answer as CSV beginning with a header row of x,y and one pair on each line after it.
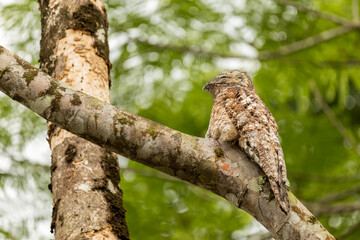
x,y
84,177
222,169
58,16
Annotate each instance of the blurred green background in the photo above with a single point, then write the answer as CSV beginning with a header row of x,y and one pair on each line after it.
x,y
304,64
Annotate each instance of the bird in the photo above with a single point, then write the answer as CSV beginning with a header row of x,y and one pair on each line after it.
x,y
240,117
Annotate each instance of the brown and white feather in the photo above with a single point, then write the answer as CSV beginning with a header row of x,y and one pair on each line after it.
x,y
238,114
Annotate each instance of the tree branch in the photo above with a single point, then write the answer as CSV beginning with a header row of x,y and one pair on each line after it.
x,y
195,50
347,26
332,117
324,178
149,173
222,169
305,43
339,195
264,55
320,209
347,63
327,16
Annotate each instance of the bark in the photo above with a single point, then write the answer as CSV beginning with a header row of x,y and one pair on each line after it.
x,y
85,178
222,169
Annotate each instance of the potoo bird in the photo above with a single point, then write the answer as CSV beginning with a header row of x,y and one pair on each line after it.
x,y
239,115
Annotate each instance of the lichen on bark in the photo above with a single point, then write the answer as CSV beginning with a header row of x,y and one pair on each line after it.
x,y
84,16
30,75
76,100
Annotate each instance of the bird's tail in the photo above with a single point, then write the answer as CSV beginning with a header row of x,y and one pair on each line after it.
x,y
280,193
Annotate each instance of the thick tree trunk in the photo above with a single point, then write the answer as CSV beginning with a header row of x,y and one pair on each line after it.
x,y
84,177
222,169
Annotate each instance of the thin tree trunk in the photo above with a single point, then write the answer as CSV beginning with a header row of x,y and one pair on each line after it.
x,y
84,177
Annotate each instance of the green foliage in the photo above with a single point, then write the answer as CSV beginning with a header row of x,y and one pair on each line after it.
x,y
164,51
179,210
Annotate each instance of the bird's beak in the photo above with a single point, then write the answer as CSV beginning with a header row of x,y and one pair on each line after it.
x,y
205,87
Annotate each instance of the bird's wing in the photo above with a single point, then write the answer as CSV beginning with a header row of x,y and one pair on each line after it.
x,y
258,137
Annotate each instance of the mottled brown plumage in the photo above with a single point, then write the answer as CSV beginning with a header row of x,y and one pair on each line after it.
x,y
238,114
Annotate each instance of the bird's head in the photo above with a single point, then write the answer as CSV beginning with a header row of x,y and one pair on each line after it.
x,y
232,78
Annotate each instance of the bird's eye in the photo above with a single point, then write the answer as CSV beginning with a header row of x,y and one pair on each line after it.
x,y
222,77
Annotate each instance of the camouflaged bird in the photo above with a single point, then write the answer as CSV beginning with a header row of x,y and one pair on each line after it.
x,y
239,115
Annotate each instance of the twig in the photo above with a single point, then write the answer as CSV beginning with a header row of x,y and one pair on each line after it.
x,y
339,195
320,209
324,178
7,175
327,16
150,173
332,117
265,55
349,231
190,49
347,62
346,27
305,43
